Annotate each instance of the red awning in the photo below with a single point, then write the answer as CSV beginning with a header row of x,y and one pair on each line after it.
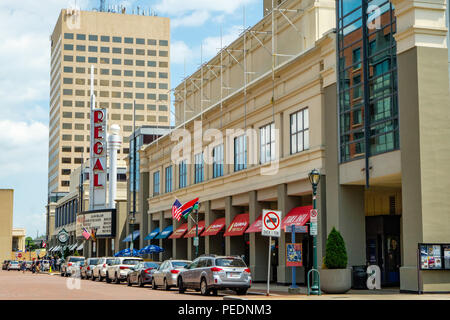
x,y
215,227
256,226
191,233
238,226
298,216
179,232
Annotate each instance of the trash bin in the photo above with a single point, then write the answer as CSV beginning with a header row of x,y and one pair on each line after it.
x,y
359,277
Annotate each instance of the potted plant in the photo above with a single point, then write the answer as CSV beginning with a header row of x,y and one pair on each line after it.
x,y
335,277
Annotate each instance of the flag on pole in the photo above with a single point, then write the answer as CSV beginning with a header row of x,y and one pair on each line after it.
x,y
188,207
93,232
86,234
176,213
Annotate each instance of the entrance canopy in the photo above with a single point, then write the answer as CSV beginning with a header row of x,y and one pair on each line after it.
x,y
179,232
191,233
133,235
256,226
152,234
165,233
214,228
238,225
298,216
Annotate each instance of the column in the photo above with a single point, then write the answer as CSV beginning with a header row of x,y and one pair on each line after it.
x,y
424,113
285,204
230,213
258,244
143,208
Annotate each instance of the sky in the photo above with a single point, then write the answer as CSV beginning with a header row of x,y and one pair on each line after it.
x,y
25,28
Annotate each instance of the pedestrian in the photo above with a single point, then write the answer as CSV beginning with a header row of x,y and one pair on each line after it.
x,y
33,267
24,266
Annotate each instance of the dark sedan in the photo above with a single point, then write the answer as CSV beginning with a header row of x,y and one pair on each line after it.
x,y
142,273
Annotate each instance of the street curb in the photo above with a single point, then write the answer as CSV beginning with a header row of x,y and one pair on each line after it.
x,y
233,298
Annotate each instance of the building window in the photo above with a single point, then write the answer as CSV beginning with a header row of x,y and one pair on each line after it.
x,y
93,37
128,40
68,47
156,183
218,161
199,168
299,131
169,179
240,153
117,39
163,43
357,58
140,41
267,143
104,38
81,37
81,47
116,50
182,174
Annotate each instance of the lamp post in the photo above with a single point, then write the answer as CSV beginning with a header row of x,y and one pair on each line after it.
x,y
196,230
314,178
132,220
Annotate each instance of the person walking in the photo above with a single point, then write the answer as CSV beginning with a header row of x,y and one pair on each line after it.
x,y
24,266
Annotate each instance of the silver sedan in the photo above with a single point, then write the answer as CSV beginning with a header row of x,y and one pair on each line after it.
x,y
167,273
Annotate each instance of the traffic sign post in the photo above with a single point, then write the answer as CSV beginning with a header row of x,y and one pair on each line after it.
x,y
271,227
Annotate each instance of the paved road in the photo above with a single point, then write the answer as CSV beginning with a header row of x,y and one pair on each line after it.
x,y
28,286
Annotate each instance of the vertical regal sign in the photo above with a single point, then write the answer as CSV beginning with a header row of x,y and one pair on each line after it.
x,y
98,158
98,153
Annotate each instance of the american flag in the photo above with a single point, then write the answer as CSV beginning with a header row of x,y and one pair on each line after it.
x,y
176,212
86,234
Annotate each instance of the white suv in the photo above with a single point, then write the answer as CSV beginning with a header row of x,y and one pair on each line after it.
x,y
72,265
118,270
99,271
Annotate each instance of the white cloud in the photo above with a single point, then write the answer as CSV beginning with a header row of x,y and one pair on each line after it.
x,y
25,145
211,45
179,7
180,52
195,19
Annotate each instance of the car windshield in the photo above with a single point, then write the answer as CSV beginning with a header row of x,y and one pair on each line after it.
x,y
151,265
109,261
14,262
230,262
131,262
75,259
179,264
93,262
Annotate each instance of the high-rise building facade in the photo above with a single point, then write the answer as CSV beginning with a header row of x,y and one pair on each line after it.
x,y
130,54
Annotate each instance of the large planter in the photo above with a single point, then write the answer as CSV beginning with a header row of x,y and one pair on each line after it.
x,y
335,280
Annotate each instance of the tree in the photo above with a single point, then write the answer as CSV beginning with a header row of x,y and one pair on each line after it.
x,y
335,252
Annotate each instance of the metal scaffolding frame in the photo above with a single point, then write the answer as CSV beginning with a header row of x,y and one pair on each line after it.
x,y
217,70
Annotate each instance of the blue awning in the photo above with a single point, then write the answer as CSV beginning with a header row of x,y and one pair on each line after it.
x,y
152,234
135,235
165,233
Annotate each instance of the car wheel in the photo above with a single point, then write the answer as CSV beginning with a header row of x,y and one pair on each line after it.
x,y
116,279
128,282
154,286
62,274
141,284
93,277
214,292
181,289
204,287
241,291
107,278
166,285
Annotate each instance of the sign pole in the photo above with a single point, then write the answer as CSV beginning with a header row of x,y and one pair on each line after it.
x,y
294,280
268,265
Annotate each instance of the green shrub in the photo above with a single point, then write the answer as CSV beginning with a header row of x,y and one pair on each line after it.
x,y
335,253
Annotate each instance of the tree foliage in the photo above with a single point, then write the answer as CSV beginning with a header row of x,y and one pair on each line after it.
x,y
335,252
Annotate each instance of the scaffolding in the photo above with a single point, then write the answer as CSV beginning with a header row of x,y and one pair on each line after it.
x,y
239,57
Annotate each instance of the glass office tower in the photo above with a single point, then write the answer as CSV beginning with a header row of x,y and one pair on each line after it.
x,y
367,69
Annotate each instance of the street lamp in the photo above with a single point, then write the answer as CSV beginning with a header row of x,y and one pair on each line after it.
x,y
132,220
314,178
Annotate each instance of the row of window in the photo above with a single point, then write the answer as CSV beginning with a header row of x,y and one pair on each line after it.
x,y
299,133
118,83
117,61
116,105
116,39
66,213
116,72
130,51
114,116
117,94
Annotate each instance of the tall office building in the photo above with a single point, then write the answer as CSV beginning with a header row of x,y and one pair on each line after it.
x,y
130,55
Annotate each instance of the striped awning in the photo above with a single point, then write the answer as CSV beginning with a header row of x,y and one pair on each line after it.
x,y
81,246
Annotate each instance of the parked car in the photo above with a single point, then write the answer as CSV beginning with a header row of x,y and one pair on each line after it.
x,y
167,273
45,265
13,265
210,273
99,271
142,273
118,270
88,267
71,265
5,264
28,264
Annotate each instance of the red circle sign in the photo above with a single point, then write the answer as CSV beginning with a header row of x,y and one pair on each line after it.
x,y
271,225
20,255
313,213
